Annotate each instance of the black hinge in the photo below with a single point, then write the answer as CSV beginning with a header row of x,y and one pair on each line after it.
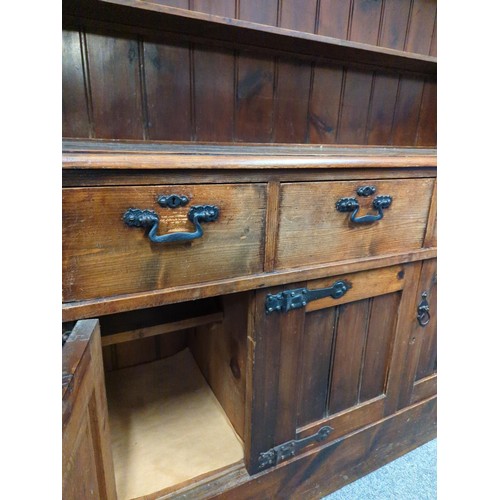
x,y
287,450
294,299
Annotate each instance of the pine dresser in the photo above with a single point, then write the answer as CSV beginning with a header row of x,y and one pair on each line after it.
x,y
249,244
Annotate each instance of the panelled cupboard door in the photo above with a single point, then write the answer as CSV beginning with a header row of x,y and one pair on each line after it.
x,y
328,365
87,465
421,382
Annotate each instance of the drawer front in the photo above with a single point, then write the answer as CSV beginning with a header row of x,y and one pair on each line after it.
x,y
313,231
102,256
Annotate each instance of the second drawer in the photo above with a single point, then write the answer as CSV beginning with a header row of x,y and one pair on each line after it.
x,y
313,231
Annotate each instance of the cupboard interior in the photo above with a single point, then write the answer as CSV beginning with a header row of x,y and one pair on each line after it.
x,y
175,385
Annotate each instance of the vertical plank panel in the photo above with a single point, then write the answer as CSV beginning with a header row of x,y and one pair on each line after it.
x,y
354,115
395,23
407,111
75,120
365,21
254,99
316,357
259,11
433,50
255,82
292,96
379,127
349,345
115,83
334,18
427,126
265,346
214,94
384,312
225,8
324,105
298,15
421,27
428,349
168,93
292,328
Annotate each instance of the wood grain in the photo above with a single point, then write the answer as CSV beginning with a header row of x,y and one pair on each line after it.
x,y
348,354
379,343
401,229
220,350
363,285
334,18
168,90
365,21
130,302
254,99
316,360
299,15
103,256
423,15
75,118
395,23
115,85
214,94
354,113
292,96
325,104
87,463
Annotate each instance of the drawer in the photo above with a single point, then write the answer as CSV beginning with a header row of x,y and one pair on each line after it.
x,y
103,256
313,231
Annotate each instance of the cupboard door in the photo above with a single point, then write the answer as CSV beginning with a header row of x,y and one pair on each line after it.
x,y
421,375
330,367
87,466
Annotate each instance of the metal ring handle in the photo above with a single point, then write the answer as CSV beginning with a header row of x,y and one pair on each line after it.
x,y
352,205
423,311
135,217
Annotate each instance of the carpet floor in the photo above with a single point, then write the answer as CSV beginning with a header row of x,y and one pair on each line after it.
x,y
410,477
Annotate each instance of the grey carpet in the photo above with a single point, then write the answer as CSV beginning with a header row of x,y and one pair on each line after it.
x,y
410,477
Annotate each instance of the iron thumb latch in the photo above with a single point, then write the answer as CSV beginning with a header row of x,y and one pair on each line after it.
x,y
299,297
287,450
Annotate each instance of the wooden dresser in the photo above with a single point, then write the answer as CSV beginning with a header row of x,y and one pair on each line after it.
x,y
249,244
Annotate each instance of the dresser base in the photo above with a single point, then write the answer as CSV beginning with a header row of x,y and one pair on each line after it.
x,y
328,468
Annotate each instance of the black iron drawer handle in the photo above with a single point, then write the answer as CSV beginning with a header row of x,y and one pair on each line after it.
x,y
351,205
423,311
135,217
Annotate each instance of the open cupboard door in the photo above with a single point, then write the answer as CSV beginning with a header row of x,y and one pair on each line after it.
x,y
87,457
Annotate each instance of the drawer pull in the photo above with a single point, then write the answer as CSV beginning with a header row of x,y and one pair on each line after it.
x,y
423,311
352,205
135,217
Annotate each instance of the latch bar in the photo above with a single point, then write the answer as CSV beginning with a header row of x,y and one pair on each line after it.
x,y
299,297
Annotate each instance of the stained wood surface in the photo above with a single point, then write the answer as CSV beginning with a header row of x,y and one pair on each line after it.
x,y
358,20
220,350
308,215
162,86
130,302
87,464
328,365
103,256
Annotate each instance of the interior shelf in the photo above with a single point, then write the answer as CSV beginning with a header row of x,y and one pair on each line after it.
x,y
167,426
191,23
